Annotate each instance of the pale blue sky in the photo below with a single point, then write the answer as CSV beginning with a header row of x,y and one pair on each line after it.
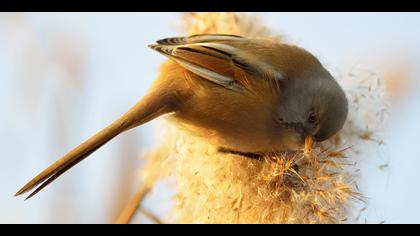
x,y
119,67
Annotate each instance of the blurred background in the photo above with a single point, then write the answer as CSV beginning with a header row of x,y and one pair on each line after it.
x,y
64,76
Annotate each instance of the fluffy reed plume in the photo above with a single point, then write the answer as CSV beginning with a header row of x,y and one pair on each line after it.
x,y
314,185
226,23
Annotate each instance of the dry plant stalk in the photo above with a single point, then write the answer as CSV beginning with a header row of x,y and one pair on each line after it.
x,y
151,216
150,175
314,185
134,204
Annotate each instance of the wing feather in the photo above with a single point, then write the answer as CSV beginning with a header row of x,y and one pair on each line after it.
x,y
211,56
199,38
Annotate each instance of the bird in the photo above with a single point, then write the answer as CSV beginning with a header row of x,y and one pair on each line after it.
x,y
242,94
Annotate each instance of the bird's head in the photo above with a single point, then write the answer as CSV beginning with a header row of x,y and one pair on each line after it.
x,y
311,104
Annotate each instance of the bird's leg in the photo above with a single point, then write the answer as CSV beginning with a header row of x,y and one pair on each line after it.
x,y
250,155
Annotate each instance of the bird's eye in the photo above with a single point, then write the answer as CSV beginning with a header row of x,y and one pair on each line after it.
x,y
313,118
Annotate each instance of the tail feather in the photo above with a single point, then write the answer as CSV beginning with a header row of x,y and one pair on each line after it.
x,y
147,109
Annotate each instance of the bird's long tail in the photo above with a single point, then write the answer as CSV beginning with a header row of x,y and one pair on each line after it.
x,y
150,107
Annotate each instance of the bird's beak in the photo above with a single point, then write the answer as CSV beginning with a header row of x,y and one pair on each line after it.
x,y
309,143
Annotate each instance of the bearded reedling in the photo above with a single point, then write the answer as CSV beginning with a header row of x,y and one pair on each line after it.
x,y
245,95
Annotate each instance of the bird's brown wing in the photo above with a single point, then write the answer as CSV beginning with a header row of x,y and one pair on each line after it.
x,y
217,58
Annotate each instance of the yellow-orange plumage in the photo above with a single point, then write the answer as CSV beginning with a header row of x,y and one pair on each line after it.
x,y
244,94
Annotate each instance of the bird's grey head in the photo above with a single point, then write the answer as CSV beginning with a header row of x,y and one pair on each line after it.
x,y
312,104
